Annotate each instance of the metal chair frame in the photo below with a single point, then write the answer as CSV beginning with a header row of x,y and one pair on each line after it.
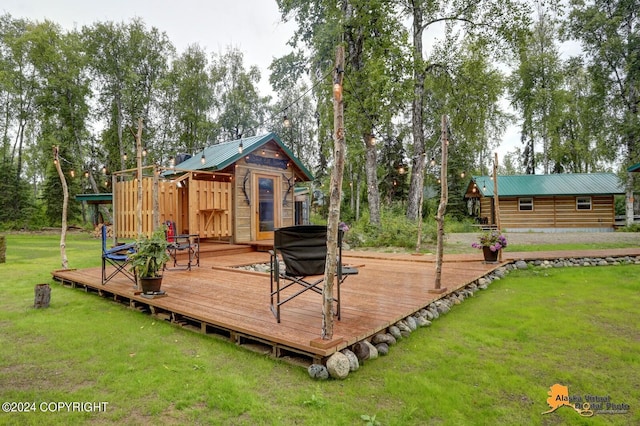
x,y
311,238
181,242
118,257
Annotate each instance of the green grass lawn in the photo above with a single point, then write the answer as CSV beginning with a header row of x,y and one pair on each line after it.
x,y
490,361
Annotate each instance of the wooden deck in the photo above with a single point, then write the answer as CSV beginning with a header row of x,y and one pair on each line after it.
x,y
219,300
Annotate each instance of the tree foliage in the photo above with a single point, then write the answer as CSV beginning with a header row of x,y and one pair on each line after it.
x,y
408,63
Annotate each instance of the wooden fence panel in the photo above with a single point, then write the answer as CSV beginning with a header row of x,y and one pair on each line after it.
x,y
205,208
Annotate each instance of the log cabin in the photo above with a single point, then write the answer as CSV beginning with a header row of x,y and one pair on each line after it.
x,y
546,203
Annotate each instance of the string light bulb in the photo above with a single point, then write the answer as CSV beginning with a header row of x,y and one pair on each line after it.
x,y
285,122
203,159
240,148
124,156
72,173
337,91
337,85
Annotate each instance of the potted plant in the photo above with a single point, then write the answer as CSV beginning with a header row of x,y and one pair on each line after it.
x,y
491,242
149,259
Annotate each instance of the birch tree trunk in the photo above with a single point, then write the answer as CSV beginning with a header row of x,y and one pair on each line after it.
x,y
629,199
371,167
444,197
65,202
417,164
334,201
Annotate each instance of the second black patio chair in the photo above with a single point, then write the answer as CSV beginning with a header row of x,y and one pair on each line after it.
x,y
119,257
303,249
181,243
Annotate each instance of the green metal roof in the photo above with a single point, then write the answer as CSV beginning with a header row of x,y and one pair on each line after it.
x,y
555,184
634,168
219,156
103,198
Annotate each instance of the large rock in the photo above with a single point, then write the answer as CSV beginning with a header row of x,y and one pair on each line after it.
x,y
361,350
383,338
411,323
373,352
383,349
395,332
521,264
338,365
318,371
423,322
402,326
353,359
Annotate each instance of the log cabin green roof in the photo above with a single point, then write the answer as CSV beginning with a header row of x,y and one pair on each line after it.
x,y
219,156
634,168
551,185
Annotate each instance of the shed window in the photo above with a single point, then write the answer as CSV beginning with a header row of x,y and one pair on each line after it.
x,y
525,204
583,203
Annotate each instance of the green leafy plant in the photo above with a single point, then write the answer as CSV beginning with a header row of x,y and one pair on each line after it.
x,y
370,420
151,255
316,401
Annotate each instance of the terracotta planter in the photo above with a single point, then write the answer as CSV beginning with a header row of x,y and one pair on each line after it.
x,y
490,256
150,284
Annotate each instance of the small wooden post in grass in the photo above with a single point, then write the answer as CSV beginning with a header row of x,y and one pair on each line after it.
x,y
43,296
3,249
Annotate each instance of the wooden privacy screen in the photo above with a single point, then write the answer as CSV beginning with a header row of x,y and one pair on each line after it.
x,y
197,207
210,208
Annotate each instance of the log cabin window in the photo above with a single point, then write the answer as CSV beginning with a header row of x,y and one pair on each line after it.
x,y
583,203
525,204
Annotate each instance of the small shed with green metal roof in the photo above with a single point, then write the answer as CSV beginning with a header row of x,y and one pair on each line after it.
x,y
546,203
238,191
634,168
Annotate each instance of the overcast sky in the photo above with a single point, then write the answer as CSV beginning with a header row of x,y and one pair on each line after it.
x,y
252,26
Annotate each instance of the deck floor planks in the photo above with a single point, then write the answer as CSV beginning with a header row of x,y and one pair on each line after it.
x,y
387,288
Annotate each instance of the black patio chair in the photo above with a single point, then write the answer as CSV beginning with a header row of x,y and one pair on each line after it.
x,y
303,249
119,257
181,243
